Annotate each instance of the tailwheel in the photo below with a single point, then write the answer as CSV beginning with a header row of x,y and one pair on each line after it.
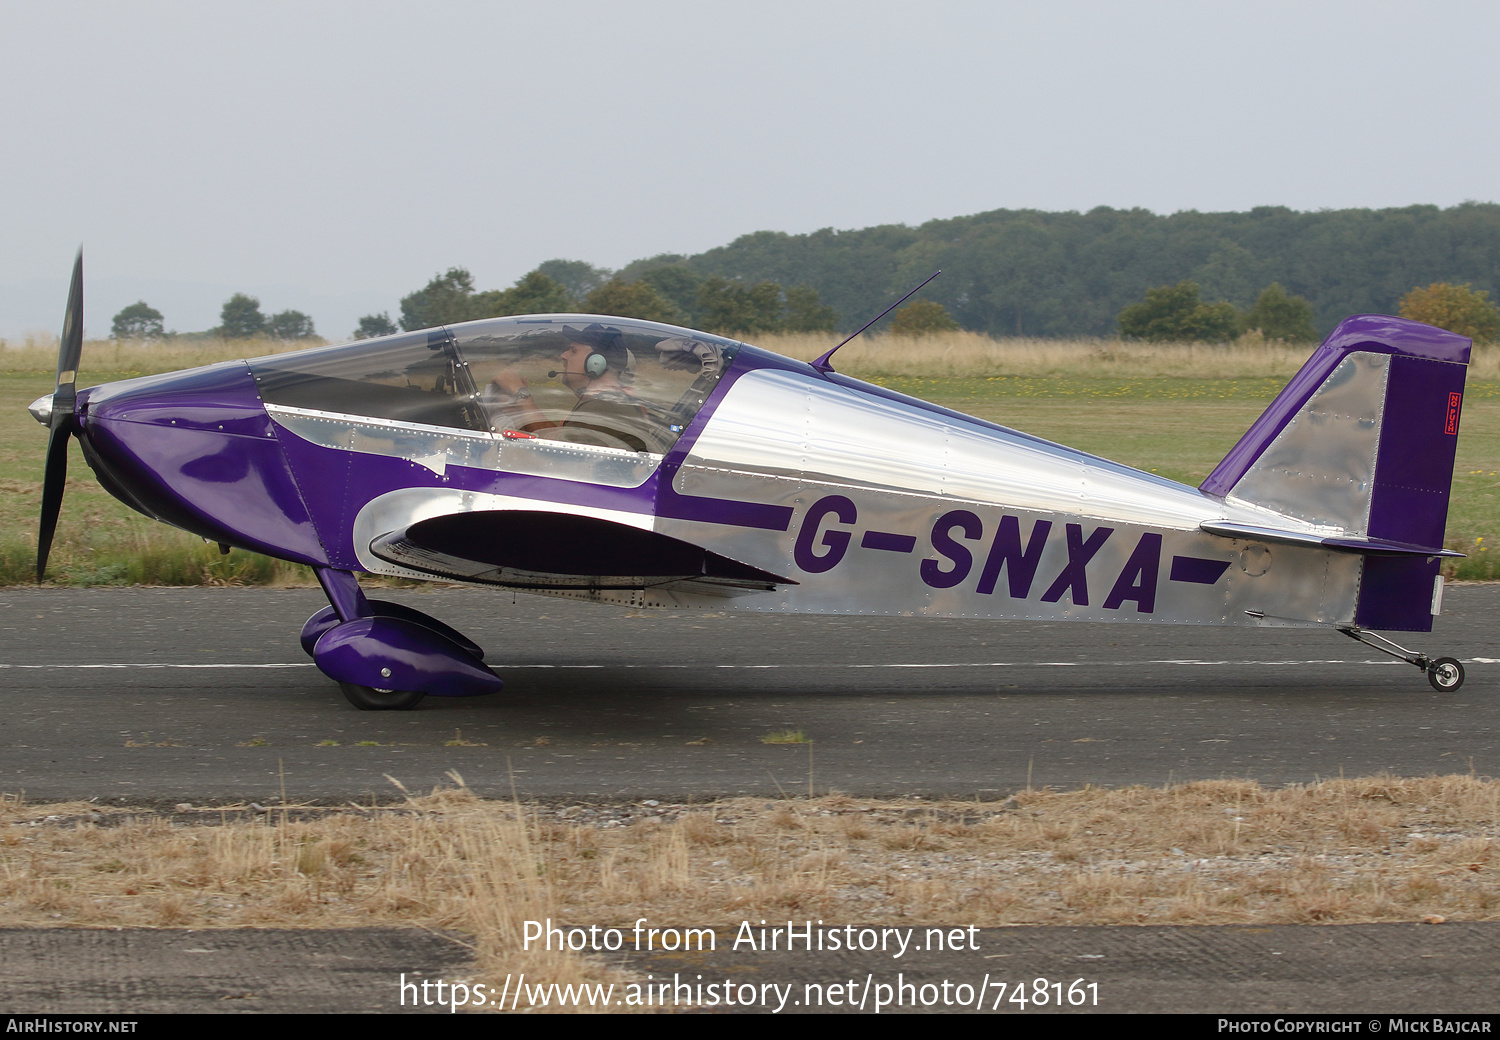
x,y
371,698
1445,674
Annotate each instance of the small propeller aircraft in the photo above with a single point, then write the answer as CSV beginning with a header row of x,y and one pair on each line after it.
x,y
660,466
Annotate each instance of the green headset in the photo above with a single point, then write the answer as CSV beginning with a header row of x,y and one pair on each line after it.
x,y
594,366
597,363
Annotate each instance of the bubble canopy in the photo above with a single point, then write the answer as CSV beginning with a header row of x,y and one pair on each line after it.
x,y
633,385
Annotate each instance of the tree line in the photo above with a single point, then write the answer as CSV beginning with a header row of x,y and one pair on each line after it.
x,y
239,318
1175,314
673,294
1005,273
1027,272
1034,273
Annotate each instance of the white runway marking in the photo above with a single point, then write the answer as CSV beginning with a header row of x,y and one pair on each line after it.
x,y
980,664
156,664
751,667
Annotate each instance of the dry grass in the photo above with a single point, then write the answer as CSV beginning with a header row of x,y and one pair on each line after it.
x,y
947,354
959,354
37,352
1216,852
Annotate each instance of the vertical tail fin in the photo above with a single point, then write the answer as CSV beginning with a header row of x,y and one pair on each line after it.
x,y
1363,440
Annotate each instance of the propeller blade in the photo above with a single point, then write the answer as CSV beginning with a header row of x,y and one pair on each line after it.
x,y
71,348
61,422
54,477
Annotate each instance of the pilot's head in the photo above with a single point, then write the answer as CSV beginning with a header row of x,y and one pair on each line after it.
x,y
594,353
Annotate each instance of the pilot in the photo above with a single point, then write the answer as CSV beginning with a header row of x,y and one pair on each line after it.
x,y
595,366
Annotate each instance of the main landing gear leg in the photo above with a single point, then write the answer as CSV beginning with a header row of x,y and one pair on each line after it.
x,y
1445,674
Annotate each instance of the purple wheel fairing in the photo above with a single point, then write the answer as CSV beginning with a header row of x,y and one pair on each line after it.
x,y
393,654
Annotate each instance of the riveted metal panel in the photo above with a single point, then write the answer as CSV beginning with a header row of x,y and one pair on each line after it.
x,y
437,448
1321,466
786,425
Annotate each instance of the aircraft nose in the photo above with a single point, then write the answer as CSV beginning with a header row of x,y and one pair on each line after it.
x,y
197,450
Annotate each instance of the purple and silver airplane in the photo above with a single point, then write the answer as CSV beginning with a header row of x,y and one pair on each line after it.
x,y
663,467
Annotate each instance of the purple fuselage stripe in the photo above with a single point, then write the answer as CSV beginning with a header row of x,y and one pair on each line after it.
x,y
724,511
901,543
1197,570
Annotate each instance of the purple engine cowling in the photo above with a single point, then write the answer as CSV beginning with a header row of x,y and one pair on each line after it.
x,y
196,450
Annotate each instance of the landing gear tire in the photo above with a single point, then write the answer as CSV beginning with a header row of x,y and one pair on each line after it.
x,y
370,698
1445,674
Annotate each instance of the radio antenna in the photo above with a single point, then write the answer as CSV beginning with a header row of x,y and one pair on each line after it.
x,y
824,364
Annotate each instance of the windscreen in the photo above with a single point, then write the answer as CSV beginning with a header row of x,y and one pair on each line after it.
x,y
417,377
583,379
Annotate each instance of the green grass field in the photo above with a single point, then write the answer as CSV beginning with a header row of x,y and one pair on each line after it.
x,y
1176,426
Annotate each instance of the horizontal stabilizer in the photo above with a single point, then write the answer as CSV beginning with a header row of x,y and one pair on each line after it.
x,y
1362,546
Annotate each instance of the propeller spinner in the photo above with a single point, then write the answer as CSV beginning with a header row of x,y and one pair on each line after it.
x,y
60,418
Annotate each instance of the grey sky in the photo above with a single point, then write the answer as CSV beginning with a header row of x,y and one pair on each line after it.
x,y
332,157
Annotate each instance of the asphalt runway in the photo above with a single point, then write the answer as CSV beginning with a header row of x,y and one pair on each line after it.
x,y
204,695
